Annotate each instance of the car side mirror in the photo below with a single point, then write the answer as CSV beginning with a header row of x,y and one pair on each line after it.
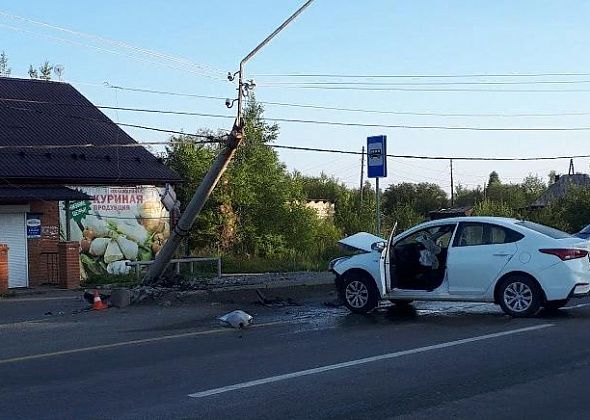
x,y
378,246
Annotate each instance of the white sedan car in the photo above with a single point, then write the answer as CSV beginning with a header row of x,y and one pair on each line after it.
x,y
517,264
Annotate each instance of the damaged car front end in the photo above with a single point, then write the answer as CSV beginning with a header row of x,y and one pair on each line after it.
x,y
364,250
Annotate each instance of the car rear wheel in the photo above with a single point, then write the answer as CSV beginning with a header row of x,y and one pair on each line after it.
x,y
360,293
554,305
520,296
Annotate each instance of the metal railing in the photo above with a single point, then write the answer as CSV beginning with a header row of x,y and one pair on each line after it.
x,y
137,265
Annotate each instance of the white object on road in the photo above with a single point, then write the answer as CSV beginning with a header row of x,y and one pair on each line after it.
x,y
236,319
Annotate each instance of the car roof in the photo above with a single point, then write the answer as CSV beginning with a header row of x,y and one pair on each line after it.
x,y
478,219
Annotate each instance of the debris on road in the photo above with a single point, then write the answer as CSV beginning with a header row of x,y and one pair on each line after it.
x,y
120,298
277,301
236,319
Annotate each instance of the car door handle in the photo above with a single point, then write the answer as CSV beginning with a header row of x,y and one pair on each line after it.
x,y
501,255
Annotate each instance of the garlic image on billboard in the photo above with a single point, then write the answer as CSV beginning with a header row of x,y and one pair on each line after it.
x,y
120,224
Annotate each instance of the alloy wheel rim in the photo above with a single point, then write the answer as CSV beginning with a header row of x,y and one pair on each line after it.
x,y
357,294
518,296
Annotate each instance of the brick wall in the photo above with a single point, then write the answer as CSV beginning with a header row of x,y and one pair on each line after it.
x,y
69,264
3,267
38,262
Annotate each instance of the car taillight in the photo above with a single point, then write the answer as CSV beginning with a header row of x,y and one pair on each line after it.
x,y
565,254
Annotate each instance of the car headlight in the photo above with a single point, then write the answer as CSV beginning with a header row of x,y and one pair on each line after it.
x,y
335,262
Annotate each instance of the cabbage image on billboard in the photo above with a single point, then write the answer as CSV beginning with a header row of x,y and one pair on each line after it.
x,y
120,224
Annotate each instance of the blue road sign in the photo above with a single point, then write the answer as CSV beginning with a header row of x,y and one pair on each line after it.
x,y
376,157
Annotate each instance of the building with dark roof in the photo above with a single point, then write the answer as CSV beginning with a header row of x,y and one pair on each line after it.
x,y
560,188
64,163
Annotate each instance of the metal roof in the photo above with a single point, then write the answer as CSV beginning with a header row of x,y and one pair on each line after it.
x,y
69,119
17,193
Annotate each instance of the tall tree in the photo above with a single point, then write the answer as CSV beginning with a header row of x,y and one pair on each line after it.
x,y
423,197
4,69
494,178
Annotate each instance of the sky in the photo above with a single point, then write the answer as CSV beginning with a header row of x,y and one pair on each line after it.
x,y
372,37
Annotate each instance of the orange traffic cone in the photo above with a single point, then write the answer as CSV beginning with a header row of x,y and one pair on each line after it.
x,y
98,305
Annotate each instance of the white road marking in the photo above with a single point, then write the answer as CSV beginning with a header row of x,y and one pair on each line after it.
x,y
128,343
363,361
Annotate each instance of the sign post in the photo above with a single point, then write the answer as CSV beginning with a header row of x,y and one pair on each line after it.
x,y
377,168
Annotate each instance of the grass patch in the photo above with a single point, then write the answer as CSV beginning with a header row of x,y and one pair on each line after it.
x,y
127,280
256,264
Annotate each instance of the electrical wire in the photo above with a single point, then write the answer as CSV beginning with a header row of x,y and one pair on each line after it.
x,y
423,157
527,82
96,38
341,123
301,148
102,49
395,89
425,76
110,122
360,110
103,146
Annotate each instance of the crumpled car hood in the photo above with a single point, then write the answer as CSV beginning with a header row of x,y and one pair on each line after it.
x,y
360,241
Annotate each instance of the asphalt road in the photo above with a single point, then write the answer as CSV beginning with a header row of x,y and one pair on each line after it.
x,y
310,361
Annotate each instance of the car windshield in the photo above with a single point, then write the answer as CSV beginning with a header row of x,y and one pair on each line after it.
x,y
545,230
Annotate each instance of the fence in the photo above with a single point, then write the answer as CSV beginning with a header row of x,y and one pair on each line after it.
x,y
137,265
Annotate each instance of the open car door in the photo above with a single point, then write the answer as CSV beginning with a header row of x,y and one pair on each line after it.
x,y
385,261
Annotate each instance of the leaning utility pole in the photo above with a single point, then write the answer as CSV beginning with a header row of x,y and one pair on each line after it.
x,y
219,166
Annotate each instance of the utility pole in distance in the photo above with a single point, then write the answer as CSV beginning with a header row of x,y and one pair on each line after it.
x,y
204,190
452,186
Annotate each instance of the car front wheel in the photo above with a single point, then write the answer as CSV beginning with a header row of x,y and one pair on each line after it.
x,y
520,296
360,293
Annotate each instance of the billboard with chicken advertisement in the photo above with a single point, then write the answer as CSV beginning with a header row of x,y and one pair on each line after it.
x,y
120,224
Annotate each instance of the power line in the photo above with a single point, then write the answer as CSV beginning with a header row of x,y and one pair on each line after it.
x,y
527,82
425,114
318,122
425,76
106,120
118,53
96,38
162,92
369,111
104,146
396,89
426,127
419,157
298,148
